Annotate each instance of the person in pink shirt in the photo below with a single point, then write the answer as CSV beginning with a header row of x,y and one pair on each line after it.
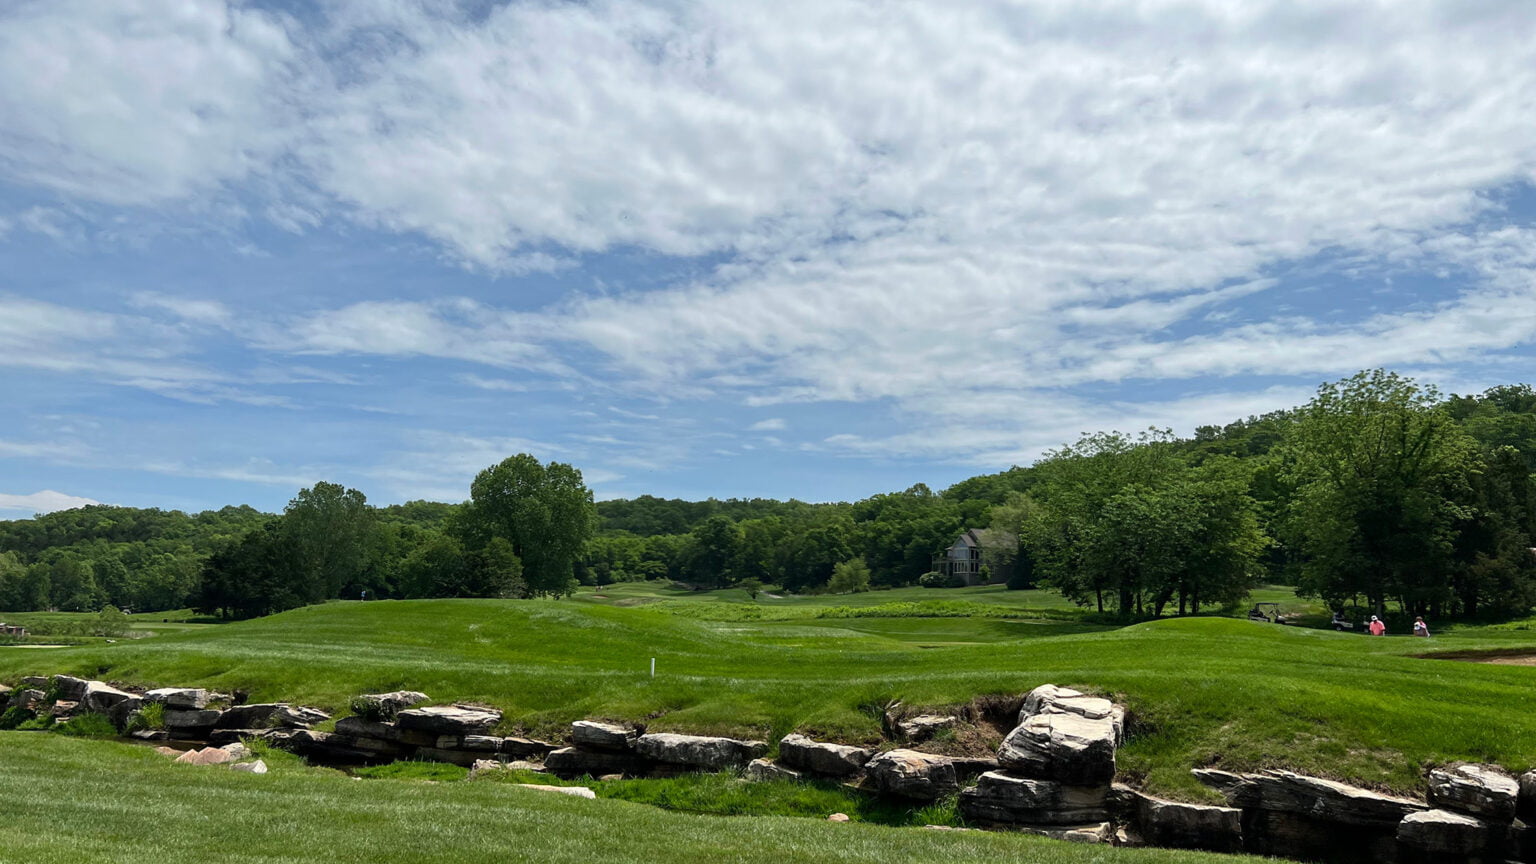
x,y
1420,628
1377,628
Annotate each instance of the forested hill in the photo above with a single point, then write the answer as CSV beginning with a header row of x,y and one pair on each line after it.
x,y
1376,491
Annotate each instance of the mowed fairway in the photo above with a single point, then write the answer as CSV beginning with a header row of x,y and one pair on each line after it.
x,y
65,801
1203,691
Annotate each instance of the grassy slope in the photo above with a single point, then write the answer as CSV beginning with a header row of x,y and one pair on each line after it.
x,y
1207,691
141,807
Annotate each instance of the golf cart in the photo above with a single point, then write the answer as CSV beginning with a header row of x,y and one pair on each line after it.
x,y
1339,622
1269,613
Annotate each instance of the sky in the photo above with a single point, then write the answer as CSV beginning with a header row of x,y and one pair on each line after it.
x,y
813,249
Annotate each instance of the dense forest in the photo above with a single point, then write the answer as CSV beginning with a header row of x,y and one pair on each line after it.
x,y
1377,492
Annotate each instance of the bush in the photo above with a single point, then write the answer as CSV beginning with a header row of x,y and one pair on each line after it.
x,y
934,579
849,577
13,718
151,716
87,726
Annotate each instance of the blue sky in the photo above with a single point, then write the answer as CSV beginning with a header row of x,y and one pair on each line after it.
x,y
812,249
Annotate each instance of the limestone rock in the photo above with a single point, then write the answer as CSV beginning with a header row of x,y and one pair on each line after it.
x,y
1527,804
1093,832
257,767
28,698
168,751
36,682
1178,825
185,698
254,716
573,791
575,762
384,706
68,688
1476,790
525,748
924,726
1445,833
912,775
1287,792
613,737
474,743
205,756
838,817
449,720
63,710
1002,799
5,691
298,717
237,751
361,727
123,710
816,757
699,751
101,698
149,735
337,748
1066,747
971,767
186,723
1050,699
762,769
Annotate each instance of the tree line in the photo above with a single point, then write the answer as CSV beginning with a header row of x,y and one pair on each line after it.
x,y
1378,491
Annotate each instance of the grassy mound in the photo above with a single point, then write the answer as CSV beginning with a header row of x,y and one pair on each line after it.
x,y
69,801
1203,691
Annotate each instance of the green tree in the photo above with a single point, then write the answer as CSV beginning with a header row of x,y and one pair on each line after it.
x,y
849,577
752,586
1381,477
716,546
330,532
544,511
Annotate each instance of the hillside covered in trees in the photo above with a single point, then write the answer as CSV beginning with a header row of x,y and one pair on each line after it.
x,y
1376,492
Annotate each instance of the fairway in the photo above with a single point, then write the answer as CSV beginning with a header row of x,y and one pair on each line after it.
x,y
1202,691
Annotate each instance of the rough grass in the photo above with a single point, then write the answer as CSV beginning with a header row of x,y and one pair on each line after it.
x,y
70,801
1203,691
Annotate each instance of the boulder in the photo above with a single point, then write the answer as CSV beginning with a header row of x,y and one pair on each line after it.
x,y
68,688
62,710
1178,825
101,698
1526,806
5,692
1443,833
1065,747
384,706
525,748
1002,799
36,682
255,716
298,717
449,720
185,698
1093,832
332,747
575,762
924,726
149,735
762,769
573,791
257,767
237,750
838,817
205,756
911,775
613,737
190,723
120,713
1050,699
970,767
800,753
1476,790
699,751
28,698
1327,800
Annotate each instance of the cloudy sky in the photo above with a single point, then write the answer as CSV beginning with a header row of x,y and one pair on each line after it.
x,y
817,249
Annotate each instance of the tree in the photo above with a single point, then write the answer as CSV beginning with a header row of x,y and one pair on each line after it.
x,y
544,511
330,532
1381,478
715,550
849,577
752,586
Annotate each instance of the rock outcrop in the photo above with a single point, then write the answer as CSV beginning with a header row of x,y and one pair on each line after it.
x,y
612,737
1066,747
1004,799
449,720
574,762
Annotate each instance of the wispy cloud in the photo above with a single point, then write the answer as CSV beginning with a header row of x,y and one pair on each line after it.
x,y
46,501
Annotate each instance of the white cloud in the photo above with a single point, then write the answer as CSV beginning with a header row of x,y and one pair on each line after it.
x,y
49,450
772,424
190,309
46,501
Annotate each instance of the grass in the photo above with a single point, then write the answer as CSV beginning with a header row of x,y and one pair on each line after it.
x,y
70,801
1205,691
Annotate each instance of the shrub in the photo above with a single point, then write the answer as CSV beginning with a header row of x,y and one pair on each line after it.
x,y
151,716
87,726
14,717
849,577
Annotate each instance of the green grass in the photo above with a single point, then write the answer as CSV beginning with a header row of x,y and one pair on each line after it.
x,y
1206,691
642,593
70,801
